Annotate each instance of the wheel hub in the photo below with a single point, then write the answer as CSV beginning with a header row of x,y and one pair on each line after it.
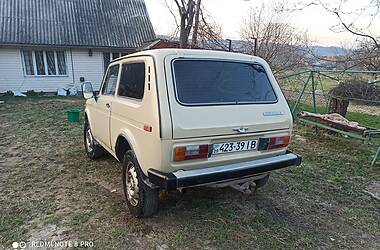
x,y
89,140
132,185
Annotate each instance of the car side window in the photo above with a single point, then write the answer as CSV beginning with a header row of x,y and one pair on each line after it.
x,y
109,86
132,80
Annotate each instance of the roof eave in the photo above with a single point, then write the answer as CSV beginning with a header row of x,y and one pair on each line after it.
x,y
65,46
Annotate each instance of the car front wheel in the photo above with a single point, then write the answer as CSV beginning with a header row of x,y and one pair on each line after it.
x,y
93,149
142,200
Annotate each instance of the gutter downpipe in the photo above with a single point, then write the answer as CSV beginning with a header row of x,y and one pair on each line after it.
x,y
72,66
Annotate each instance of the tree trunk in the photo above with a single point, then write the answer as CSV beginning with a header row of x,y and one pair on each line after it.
x,y
339,106
187,19
183,37
196,24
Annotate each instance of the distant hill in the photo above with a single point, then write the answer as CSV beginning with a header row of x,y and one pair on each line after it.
x,y
318,50
329,51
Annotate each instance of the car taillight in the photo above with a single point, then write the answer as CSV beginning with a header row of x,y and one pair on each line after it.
x,y
279,142
274,142
190,152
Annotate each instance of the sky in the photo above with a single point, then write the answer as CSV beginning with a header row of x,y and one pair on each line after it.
x,y
229,14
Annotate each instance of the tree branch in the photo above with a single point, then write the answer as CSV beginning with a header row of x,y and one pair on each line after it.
x,y
349,29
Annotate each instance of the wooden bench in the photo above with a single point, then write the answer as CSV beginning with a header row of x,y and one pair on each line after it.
x,y
365,135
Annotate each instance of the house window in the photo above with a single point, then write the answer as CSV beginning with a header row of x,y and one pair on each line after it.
x,y
109,57
44,63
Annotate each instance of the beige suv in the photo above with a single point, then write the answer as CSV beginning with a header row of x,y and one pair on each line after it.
x,y
185,118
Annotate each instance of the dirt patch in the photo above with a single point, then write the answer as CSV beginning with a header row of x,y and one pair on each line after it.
x,y
374,190
48,232
4,125
110,187
67,100
299,139
51,190
365,109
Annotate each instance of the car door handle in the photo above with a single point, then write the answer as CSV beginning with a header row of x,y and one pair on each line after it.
x,y
108,105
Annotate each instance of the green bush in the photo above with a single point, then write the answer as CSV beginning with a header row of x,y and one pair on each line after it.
x,y
31,93
9,93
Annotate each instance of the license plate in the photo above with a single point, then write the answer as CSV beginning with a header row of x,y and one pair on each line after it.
x,y
230,147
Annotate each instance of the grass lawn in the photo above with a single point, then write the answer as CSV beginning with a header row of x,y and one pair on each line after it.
x,y
51,191
296,83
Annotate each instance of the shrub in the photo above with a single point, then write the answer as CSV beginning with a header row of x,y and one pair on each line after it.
x,y
353,90
358,91
9,93
31,93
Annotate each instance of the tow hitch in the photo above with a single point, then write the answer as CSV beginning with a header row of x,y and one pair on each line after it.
x,y
247,188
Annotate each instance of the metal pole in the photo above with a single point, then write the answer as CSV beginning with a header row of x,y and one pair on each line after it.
x,y
229,44
313,90
349,71
301,94
295,74
313,87
255,43
323,93
377,155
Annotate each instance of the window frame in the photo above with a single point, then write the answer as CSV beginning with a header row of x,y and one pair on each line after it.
x,y
218,104
145,80
110,54
45,62
105,77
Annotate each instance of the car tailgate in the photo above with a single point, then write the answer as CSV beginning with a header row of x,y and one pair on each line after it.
x,y
228,119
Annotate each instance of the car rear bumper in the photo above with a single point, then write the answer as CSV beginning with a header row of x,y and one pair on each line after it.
x,y
202,177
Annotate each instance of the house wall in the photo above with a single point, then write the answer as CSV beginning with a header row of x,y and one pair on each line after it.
x,y
89,67
12,75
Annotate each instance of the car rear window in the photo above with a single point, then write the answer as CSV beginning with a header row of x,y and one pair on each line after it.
x,y
206,82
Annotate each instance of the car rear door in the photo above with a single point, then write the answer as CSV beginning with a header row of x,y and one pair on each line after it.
x,y
194,114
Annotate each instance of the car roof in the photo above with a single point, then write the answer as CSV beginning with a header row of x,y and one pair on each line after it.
x,y
162,53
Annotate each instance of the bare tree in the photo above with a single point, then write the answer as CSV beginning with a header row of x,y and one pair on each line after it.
x,y
193,21
349,19
280,44
364,54
367,55
358,21
188,10
353,16
209,34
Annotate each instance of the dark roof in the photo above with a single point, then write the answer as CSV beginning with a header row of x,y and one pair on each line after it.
x,y
75,23
159,44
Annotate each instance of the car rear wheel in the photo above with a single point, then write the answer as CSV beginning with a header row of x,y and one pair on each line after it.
x,y
142,200
92,147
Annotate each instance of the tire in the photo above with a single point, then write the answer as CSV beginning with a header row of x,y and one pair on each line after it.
x,y
142,200
262,182
93,149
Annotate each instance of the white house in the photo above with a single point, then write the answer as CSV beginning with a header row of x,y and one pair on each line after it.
x,y
48,44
